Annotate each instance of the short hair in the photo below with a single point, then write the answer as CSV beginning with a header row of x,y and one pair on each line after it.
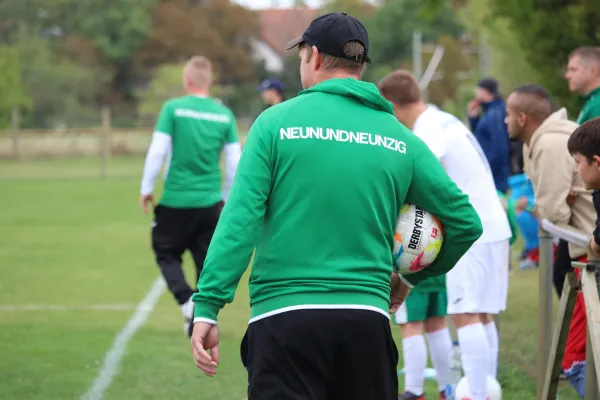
x,y
199,70
351,49
587,54
400,87
585,140
535,102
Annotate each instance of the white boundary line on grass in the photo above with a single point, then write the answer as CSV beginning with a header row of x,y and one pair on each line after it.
x,y
112,360
62,307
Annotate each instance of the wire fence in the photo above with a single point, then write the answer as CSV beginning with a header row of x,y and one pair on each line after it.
x,y
67,153
73,154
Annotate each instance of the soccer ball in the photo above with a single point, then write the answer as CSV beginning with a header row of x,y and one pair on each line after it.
x,y
417,240
493,388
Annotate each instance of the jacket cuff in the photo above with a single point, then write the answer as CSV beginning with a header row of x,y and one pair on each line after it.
x,y
206,312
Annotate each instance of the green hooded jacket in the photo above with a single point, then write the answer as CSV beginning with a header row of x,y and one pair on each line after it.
x,y
317,193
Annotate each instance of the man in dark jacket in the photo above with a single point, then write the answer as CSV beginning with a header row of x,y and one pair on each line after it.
x,y
486,116
271,91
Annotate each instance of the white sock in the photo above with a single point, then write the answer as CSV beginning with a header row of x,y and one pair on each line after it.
x,y
414,352
475,358
492,338
187,309
440,344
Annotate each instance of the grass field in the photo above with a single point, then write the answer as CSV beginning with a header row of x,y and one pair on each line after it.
x,y
69,244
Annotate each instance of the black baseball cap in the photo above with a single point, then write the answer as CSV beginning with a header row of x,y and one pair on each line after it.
x,y
330,32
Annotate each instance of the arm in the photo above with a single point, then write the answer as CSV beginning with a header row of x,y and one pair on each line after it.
x,y
432,189
512,220
484,138
232,152
235,237
473,122
159,148
553,185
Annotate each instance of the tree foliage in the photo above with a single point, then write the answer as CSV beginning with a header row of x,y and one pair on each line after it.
x,y
219,30
360,9
61,91
535,37
548,31
12,90
392,26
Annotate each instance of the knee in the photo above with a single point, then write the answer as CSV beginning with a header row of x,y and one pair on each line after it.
x,y
435,324
409,329
460,320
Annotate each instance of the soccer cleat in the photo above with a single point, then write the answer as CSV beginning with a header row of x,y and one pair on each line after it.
x,y
187,309
410,396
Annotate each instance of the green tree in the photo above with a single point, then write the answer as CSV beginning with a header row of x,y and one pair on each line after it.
x,y
12,90
392,26
165,84
545,32
360,9
548,31
117,28
61,91
508,61
218,29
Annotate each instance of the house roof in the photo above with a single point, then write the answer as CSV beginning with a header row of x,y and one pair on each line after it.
x,y
277,26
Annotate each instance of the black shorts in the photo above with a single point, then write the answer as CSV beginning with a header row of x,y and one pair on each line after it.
x,y
321,355
176,230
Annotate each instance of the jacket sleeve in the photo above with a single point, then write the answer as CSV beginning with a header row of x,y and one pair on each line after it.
x,y
432,189
484,137
236,233
555,168
473,122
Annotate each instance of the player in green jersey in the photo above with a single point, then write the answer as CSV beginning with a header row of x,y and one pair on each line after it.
x,y
191,133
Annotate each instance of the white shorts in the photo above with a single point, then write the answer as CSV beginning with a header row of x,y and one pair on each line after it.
x,y
479,281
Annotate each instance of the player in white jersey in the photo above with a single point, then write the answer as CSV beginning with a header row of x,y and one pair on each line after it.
x,y
477,285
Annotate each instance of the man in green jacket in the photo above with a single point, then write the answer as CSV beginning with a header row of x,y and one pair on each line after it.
x,y
583,74
318,191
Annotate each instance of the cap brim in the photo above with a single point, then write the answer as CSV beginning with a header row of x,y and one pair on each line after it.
x,y
294,43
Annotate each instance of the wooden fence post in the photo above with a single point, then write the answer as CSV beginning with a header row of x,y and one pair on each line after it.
x,y
590,282
544,308
105,139
559,339
15,118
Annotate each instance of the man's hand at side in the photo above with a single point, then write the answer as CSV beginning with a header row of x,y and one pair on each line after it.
x,y
399,291
144,200
205,338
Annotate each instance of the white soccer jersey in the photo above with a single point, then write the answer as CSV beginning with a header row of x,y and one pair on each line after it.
x,y
464,161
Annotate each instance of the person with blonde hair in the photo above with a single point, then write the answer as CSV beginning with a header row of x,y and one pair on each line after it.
x,y
191,133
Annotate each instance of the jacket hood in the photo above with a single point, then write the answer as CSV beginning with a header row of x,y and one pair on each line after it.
x,y
556,124
365,92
